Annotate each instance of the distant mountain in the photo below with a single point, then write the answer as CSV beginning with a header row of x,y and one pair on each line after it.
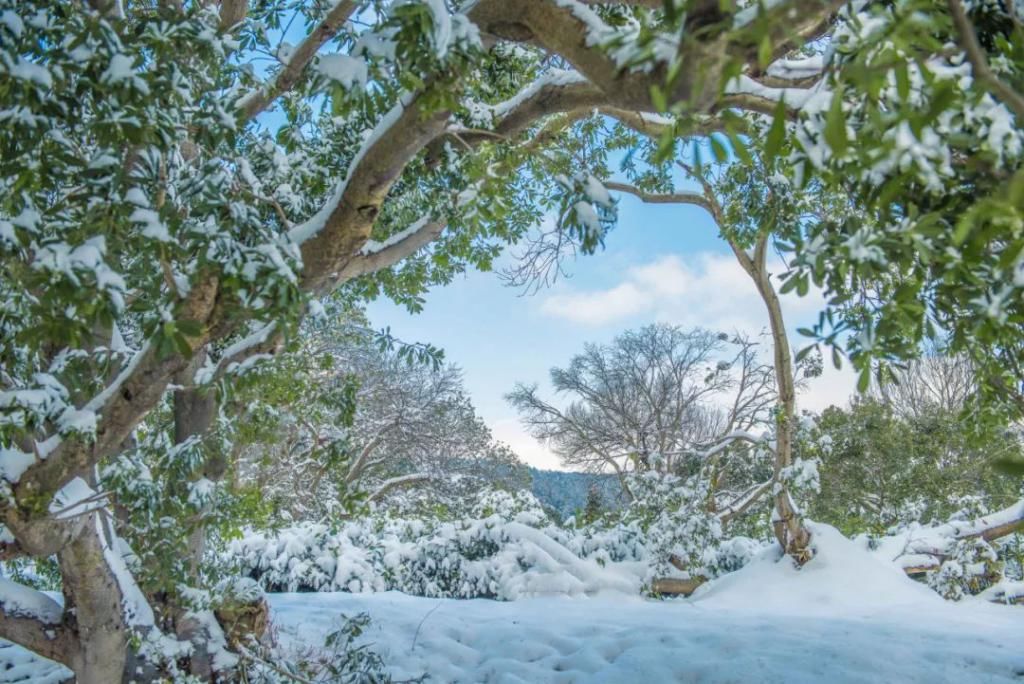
x,y
565,493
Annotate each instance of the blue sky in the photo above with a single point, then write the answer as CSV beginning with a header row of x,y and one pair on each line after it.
x,y
660,263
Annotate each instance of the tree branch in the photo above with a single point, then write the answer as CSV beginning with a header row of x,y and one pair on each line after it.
x,y
32,619
979,63
666,198
396,482
369,261
259,100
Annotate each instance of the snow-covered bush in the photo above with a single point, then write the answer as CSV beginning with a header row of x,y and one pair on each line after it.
x,y
972,566
960,557
507,549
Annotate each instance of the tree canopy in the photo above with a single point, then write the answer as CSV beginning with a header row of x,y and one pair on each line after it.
x,y
160,236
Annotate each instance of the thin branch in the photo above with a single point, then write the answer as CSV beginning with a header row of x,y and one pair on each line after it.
x,y
657,198
259,100
979,63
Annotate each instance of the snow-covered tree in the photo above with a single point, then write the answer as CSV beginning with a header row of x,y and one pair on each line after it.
x,y
350,419
160,233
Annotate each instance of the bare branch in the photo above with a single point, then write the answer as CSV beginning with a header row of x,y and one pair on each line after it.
x,y
666,198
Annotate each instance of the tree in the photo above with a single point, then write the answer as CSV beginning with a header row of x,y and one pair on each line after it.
x,y
594,505
156,238
882,468
653,401
347,420
934,383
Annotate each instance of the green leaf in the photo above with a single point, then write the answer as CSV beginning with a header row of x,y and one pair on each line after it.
x,y
658,99
776,133
864,379
764,51
718,149
835,126
1009,465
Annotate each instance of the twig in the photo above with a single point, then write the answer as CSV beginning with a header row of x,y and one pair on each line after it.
x,y
419,626
255,658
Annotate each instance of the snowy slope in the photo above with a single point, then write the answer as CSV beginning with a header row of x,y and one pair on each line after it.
x,y
845,617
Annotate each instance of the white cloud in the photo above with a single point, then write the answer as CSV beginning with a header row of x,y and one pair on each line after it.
x,y
597,308
709,290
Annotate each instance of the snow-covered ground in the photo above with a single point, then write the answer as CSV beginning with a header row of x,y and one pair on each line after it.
x,y
845,617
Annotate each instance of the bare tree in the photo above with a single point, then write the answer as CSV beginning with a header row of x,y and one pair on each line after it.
x,y
933,382
398,424
649,400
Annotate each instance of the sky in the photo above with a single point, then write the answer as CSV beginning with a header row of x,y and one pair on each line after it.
x,y
661,263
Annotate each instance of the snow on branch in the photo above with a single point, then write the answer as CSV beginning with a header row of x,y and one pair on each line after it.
x,y
988,527
246,350
745,500
259,100
747,92
797,69
379,255
396,482
32,619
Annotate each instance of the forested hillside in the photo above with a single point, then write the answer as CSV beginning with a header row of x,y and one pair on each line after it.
x,y
567,493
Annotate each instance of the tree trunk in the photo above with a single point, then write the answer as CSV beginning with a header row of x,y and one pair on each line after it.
x,y
194,412
92,592
787,524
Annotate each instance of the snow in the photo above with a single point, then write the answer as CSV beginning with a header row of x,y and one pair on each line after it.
x,y
845,617
18,600
137,197
744,85
12,22
153,227
74,499
346,70
795,69
208,372
14,462
19,665
29,71
137,610
555,77
373,246
842,579
120,69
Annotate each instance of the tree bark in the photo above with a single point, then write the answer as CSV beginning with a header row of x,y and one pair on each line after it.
x,y
94,597
787,524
